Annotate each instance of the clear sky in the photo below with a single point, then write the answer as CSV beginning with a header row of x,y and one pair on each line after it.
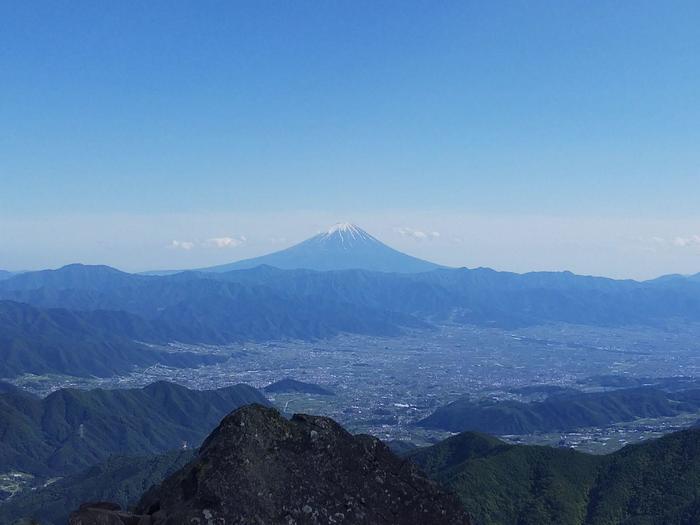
x,y
528,135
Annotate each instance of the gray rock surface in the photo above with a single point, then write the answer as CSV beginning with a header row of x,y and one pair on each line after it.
x,y
259,468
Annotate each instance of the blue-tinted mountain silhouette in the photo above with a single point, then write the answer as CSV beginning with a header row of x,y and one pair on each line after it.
x,y
343,247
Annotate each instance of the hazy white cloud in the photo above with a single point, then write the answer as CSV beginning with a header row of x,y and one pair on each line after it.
x,y
671,242
182,245
417,234
226,242
684,242
214,242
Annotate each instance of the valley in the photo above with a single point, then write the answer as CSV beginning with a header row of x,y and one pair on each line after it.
x,y
385,385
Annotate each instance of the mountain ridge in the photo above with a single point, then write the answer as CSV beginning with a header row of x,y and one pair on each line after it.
x,y
72,429
267,303
653,482
97,343
562,412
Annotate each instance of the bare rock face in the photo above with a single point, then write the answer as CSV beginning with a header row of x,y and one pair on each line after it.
x,y
259,468
103,513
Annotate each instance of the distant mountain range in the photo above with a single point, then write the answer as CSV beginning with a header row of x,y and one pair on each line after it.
x,y
107,310
483,296
85,320
195,306
269,302
677,278
343,247
71,430
97,343
5,275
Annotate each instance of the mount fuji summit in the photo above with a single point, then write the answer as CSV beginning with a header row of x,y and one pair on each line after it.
x,y
343,247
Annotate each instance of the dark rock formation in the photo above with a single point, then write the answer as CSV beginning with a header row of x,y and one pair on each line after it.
x,y
103,513
259,468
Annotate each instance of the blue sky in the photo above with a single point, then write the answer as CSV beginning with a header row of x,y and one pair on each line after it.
x,y
125,124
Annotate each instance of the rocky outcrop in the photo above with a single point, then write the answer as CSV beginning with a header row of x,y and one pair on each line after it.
x,y
103,513
260,468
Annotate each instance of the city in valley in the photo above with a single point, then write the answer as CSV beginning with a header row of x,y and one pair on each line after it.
x,y
385,385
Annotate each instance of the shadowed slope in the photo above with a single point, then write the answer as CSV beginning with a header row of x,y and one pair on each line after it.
x,y
73,429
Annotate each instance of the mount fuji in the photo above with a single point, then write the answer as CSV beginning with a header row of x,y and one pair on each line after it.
x,y
343,247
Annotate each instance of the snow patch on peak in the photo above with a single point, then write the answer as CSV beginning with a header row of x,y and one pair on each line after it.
x,y
346,234
344,227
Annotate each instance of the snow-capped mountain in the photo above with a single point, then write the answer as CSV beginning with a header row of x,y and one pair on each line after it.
x,y
344,246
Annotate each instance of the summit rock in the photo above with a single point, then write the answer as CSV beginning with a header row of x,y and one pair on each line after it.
x,y
258,467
